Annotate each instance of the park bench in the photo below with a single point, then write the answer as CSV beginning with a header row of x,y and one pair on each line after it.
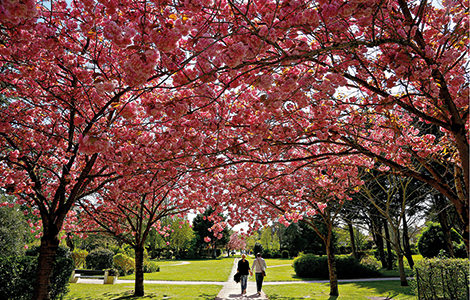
x,y
92,274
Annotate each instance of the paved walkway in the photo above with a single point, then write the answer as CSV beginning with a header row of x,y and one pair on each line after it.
x,y
232,290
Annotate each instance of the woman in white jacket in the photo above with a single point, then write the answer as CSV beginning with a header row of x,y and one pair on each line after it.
x,y
259,267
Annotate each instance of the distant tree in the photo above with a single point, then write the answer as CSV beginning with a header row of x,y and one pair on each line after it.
x,y
258,248
299,237
236,242
204,234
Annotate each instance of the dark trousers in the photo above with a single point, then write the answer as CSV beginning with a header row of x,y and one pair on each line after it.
x,y
259,281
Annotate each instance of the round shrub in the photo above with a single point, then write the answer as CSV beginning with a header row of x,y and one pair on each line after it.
x,y
124,264
18,274
432,240
312,266
100,259
285,254
151,267
371,262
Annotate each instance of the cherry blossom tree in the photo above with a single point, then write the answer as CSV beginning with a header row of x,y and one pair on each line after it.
x,y
131,207
387,79
236,242
71,72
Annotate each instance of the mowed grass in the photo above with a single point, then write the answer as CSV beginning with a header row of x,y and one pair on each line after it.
x,y
79,291
347,291
196,270
280,270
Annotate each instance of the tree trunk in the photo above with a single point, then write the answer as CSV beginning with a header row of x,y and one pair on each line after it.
x,y
389,247
379,241
401,266
351,237
139,271
333,277
406,243
47,253
442,216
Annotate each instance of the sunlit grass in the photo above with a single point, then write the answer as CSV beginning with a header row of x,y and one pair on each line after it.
x,y
347,291
81,291
196,270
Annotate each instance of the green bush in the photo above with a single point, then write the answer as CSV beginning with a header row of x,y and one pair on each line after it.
x,y
285,254
371,262
269,253
18,274
442,278
100,259
124,264
151,267
312,266
79,256
432,240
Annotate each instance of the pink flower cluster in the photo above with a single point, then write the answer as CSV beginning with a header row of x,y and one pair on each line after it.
x,y
90,144
16,11
122,37
140,66
235,54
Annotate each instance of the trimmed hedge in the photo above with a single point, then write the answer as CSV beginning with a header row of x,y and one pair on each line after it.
x,y
313,266
18,274
442,279
100,259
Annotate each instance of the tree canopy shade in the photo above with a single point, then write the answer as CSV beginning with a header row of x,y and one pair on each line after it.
x,y
376,84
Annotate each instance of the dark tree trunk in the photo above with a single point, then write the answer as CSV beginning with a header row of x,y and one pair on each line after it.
x,y
406,243
47,253
139,271
401,266
379,241
351,237
441,204
333,277
389,247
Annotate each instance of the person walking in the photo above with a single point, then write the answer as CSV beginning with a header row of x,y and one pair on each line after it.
x,y
259,267
243,268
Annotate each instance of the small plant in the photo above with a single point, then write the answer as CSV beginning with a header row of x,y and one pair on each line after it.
x,y
113,272
79,257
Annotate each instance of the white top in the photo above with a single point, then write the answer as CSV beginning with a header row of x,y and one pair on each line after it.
x,y
259,265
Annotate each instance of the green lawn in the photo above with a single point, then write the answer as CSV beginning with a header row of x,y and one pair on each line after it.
x,y
196,270
348,291
152,291
280,270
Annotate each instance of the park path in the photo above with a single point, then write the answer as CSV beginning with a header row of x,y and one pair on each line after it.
x,y
232,290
